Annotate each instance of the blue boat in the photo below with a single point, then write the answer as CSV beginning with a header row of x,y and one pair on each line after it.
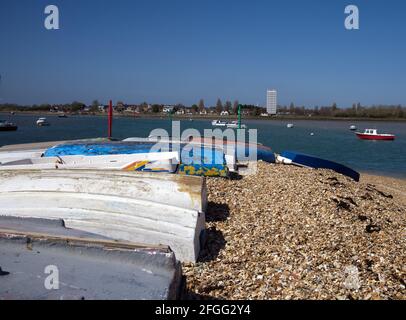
x,y
317,163
265,154
201,161
260,152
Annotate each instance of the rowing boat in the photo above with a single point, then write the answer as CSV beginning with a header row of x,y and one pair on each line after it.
x,y
126,206
303,160
152,162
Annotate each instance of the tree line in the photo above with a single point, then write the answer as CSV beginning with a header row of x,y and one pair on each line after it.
x,y
356,111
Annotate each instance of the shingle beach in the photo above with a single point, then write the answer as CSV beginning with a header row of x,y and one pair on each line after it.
x,y
293,233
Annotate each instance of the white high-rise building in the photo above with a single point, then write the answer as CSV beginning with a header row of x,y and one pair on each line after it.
x,y
271,101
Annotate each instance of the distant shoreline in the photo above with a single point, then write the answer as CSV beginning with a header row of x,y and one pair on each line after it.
x,y
206,117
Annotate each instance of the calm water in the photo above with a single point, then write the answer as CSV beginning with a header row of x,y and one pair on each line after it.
x,y
332,139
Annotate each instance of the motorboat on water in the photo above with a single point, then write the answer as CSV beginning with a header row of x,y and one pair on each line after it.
x,y
235,125
353,128
62,115
7,126
41,122
372,134
290,125
219,123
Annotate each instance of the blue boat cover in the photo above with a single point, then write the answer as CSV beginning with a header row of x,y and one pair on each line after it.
x,y
204,159
318,163
198,160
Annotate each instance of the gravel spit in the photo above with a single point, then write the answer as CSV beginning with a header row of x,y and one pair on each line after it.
x,y
294,233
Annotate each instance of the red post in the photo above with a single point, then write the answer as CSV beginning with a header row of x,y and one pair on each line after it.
x,y
110,118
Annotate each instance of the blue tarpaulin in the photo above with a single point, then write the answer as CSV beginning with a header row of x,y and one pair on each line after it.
x,y
198,155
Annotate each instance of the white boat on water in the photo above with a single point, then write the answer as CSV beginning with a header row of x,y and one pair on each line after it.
x,y
290,125
353,128
234,125
7,126
41,122
218,123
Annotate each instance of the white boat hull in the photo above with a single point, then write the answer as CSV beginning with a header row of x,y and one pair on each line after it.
x,y
235,126
9,156
155,162
141,208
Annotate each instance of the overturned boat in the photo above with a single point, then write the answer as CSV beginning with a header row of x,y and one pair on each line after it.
x,y
303,160
198,160
82,265
126,206
150,162
194,156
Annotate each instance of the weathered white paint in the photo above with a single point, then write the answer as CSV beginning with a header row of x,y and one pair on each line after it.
x,y
166,160
136,207
89,267
280,159
7,156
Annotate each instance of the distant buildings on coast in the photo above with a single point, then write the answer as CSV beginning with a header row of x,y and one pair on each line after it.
x,y
221,109
270,109
271,102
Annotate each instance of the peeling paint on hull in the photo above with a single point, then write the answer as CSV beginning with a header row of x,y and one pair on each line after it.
x,y
88,267
135,207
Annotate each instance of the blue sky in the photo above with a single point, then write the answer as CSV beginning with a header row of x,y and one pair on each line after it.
x,y
178,51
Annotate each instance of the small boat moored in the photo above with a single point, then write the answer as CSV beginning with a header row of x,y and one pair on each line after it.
x,y
41,122
353,128
372,134
7,126
235,125
290,125
218,123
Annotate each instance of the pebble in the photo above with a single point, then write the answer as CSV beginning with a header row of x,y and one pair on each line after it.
x,y
293,233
